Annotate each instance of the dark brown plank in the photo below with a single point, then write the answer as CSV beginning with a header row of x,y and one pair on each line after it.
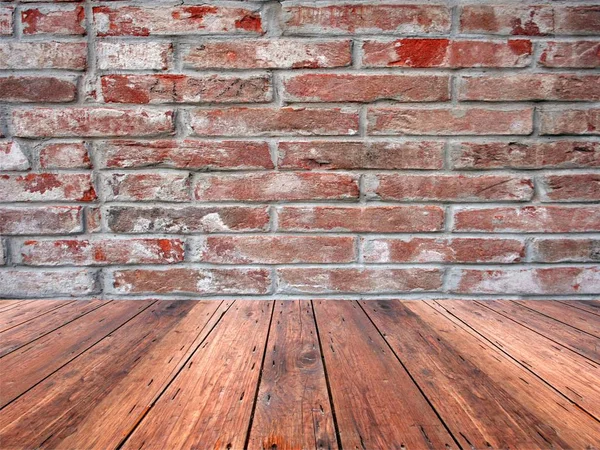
x,y
28,311
376,403
20,335
95,401
584,321
209,403
293,409
577,378
591,306
29,365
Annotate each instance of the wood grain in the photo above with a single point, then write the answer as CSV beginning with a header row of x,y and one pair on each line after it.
x,y
28,311
591,306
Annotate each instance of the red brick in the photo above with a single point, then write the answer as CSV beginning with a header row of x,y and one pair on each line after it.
x,y
323,87
415,52
93,219
580,54
100,251
40,220
529,219
186,219
186,89
526,155
47,187
273,186
565,250
580,20
452,188
520,19
375,219
550,281
570,121
449,121
173,20
347,155
452,250
12,157
92,121
279,53
186,280
68,155
134,55
366,18
351,280
69,20
15,283
131,186
38,89
185,154
6,20
273,121
43,55
538,86
273,249
571,187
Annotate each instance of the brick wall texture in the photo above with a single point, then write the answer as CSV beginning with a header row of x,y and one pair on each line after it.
x,y
280,149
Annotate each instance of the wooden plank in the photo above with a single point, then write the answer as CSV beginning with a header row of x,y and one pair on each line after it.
x,y
29,365
20,335
575,377
8,304
376,403
94,401
484,397
293,409
209,403
573,317
578,341
591,306
28,311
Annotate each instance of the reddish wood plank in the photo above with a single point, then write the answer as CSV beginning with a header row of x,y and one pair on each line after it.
x,y
591,306
209,403
582,320
293,409
8,304
376,403
28,311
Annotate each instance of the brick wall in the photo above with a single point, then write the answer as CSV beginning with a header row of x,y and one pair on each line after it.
x,y
282,149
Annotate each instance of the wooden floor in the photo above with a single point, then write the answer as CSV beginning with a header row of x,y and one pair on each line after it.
x,y
299,374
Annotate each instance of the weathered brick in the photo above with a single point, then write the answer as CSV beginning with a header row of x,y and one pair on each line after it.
x,y
375,219
287,121
322,87
2,253
68,20
569,121
507,19
132,186
47,187
186,219
347,155
528,219
174,20
525,155
186,89
366,18
272,186
100,251
12,157
38,89
450,188
571,187
186,280
267,54
528,281
351,280
538,86
67,155
43,55
134,55
40,220
6,20
93,219
452,250
565,250
415,52
390,120
92,121
579,19
185,154
273,249
580,54
19,283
